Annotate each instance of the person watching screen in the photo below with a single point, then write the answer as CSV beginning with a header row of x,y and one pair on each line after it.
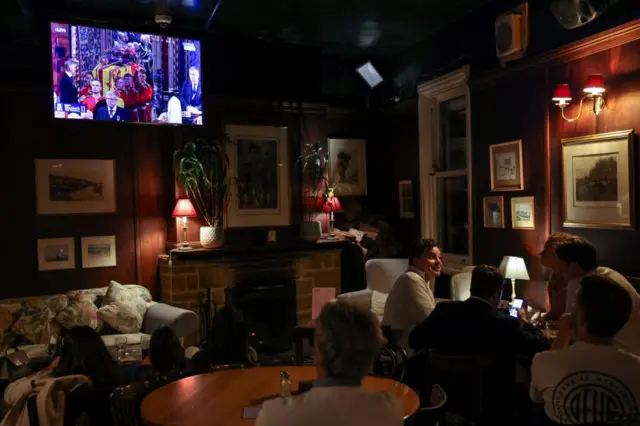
x,y
592,381
347,340
411,299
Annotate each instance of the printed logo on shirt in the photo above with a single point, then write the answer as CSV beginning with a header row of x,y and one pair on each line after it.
x,y
593,397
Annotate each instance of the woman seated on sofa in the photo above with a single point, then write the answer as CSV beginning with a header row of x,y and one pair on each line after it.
x,y
84,359
166,355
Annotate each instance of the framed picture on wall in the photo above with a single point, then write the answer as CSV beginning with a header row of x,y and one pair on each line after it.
x,y
69,186
598,181
98,252
348,166
260,190
523,213
493,207
56,253
506,166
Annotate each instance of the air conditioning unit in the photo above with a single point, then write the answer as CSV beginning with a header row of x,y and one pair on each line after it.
x,y
512,34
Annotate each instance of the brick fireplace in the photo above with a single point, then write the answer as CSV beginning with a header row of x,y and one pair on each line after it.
x,y
185,282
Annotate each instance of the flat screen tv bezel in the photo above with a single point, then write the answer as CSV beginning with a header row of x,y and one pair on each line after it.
x,y
76,23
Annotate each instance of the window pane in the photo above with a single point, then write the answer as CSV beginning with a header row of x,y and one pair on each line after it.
x,y
453,134
453,208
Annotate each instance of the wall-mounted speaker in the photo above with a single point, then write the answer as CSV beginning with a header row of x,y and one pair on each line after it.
x,y
576,13
512,34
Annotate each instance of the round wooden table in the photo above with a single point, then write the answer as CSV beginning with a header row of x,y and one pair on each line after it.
x,y
217,399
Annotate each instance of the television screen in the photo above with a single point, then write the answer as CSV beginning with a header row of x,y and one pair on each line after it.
x,y
112,75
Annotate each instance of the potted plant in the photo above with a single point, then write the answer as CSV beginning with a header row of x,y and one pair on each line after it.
x,y
202,168
314,161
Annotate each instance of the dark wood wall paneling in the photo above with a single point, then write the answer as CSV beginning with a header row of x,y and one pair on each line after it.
x,y
392,157
143,154
523,97
511,110
620,67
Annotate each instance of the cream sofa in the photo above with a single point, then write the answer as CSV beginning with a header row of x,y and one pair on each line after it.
x,y
117,312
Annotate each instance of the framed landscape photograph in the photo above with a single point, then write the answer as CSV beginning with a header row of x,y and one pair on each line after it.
x,y
348,166
98,252
66,186
598,181
493,207
523,213
506,166
260,188
56,253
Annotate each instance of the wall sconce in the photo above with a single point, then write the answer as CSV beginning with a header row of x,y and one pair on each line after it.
x,y
594,90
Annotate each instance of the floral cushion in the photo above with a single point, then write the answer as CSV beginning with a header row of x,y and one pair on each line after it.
x,y
9,312
123,308
82,309
36,323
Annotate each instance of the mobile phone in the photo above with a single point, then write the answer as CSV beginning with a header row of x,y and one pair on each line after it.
x,y
515,307
250,412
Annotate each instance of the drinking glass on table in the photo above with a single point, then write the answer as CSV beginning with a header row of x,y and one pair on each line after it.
x,y
121,343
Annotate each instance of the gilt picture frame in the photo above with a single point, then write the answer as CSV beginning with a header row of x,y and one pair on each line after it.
x,y
523,213
348,166
98,252
75,186
493,208
598,181
259,193
506,165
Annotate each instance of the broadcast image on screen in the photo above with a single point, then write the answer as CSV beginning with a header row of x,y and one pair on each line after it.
x,y
113,75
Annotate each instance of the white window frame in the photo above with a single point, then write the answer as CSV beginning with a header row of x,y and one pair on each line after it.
x,y
430,95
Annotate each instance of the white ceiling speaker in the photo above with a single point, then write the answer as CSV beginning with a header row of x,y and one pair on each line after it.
x,y
512,34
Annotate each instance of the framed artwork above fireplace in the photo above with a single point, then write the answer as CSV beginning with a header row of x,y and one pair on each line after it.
x,y
259,162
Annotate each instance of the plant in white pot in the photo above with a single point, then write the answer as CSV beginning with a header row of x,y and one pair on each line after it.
x,y
202,168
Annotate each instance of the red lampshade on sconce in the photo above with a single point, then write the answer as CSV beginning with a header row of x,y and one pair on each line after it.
x,y
562,94
593,89
184,209
595,85
330,204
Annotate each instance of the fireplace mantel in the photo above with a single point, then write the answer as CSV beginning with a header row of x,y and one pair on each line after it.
x,y
187,276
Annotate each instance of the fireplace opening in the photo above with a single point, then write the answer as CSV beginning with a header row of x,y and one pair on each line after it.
x,y
268,303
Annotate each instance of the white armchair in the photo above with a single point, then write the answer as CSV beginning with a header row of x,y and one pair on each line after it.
x,y
381,276
461,286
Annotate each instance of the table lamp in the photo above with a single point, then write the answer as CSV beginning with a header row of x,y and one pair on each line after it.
x,y
184,209
514,269
330,204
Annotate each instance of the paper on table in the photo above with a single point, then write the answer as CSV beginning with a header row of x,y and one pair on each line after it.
x,y
320,296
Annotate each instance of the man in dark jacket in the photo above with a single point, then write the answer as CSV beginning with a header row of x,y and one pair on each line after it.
x,y
476,326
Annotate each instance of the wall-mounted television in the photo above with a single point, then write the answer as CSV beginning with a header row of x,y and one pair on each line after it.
x,y
113,75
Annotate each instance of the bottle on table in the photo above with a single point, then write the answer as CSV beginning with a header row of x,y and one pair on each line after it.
x,y
285,384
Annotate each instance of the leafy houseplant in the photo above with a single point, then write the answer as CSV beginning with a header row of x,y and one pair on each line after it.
x,y
202,168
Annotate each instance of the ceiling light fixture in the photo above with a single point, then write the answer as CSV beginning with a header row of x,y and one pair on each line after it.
x,y
593,89
370,74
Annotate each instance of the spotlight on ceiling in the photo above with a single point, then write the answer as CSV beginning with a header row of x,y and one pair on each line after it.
x,y
370,75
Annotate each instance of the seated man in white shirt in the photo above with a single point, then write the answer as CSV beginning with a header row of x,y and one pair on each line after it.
x,y
411,300
574,258
347,340
591,381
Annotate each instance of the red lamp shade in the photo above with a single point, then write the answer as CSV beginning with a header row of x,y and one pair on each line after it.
x,y
562,94
184,208
595,84
329,204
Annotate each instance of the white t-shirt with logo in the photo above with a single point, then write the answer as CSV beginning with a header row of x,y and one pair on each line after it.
x,y
628,338
587,383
